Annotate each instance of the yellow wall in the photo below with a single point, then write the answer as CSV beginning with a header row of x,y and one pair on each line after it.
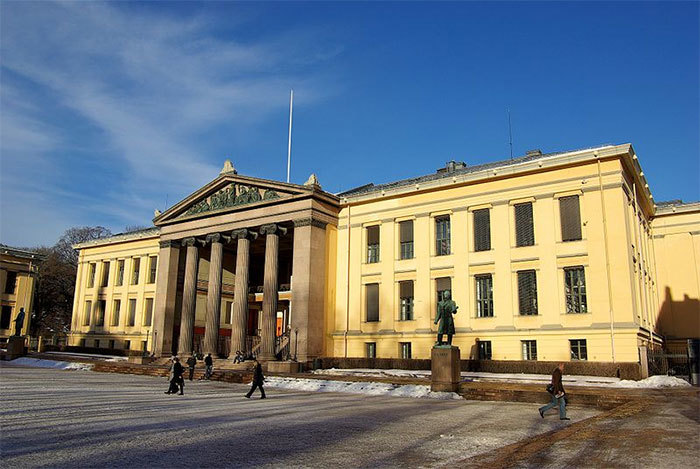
x,y
23,296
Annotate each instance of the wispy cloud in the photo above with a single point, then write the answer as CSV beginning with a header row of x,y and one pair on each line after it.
x,y
104,106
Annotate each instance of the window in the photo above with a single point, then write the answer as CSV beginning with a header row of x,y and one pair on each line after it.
x,y
228,311
578,349
120,273
575,285
482,230
153,264
406,296
372,300
111,343
371,349
144,346
135,272
529,349
372,244
442,285
100,313
527,292
484,296
127,344
570,214
92,268
132,312
406,239
105,274
11,283
405,349
5,317
97,343
82,342
524,225
442,236
485,350
148,312
116,307
87,312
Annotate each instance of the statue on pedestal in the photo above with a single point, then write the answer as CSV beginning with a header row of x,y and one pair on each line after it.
x,y
19,322
446,308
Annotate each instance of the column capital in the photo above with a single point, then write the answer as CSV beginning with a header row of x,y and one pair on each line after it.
x,y
170,243
310,221
272,228
243,233
213,238
189,242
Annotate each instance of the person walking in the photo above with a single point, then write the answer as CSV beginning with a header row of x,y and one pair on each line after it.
x,y
557,392
258,380
191,363
176,380
208,366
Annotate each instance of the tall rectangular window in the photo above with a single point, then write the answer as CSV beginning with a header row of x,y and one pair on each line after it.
x,y
111,343
116,309
87,312
228,311
372,301
442,285
529,349
92,268
5,317
405,349
100,313
120,273
442,235
484,350
527,292
132,313
371,349
575,286
11,282
105,274
524,225
148,312
578,349
484,296
406,239
570,214
153,264
136,270
127,344
97,343
406,297
372,244
482,230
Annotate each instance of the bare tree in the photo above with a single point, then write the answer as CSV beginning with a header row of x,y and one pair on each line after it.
x,y
64,246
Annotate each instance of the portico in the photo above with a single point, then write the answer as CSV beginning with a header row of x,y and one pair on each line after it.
x,y
252,244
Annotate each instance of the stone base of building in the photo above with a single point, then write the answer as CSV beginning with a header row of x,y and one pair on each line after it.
x,y
283,367
15,347
141,360
445,368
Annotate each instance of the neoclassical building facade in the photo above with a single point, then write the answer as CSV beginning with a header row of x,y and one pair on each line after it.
x,y
548,256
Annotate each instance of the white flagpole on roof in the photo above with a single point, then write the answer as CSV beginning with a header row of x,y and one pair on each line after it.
x,y
289,144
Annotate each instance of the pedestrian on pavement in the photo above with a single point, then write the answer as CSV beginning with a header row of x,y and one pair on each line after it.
x,y
209,366
258,380
175,376
557,392
191,363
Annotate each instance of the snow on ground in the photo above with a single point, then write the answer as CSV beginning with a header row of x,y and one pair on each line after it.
x,y
57,365
369,388
654,382
108,358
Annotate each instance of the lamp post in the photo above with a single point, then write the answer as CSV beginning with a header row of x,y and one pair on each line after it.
x,y
296,342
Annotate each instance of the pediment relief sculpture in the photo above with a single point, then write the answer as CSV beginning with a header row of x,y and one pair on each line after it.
x,y
232,196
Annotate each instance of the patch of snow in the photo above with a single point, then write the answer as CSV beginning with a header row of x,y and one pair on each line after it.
x,y
109,358
368,388
57,365
654,382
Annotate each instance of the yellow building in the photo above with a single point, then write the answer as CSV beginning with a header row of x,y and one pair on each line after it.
x,y
548,256
18,269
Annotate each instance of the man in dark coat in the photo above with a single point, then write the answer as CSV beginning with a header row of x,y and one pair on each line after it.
x,y
191,363
176,379
258,379
557,394
209,366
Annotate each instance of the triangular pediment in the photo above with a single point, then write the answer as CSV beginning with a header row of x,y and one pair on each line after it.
x,y
230,192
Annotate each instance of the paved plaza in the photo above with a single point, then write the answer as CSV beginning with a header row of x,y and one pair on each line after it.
x,y
54,418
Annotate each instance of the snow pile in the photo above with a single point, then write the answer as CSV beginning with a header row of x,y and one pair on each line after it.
x,y
370,372
56,365
654,382
368,388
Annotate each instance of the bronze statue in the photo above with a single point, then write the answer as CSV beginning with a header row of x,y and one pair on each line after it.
x,y
19,322
446,308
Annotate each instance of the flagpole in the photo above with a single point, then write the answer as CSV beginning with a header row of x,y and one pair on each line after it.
x,y
289,144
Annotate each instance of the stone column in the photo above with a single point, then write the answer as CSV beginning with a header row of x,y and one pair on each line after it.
x,y
239,324
189,298
166,291
211,331
270,290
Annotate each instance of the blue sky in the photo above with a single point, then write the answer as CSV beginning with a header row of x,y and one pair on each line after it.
x,y
107,110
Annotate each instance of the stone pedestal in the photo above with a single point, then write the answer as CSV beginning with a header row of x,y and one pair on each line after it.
x,y
445,370
283,367
15,347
